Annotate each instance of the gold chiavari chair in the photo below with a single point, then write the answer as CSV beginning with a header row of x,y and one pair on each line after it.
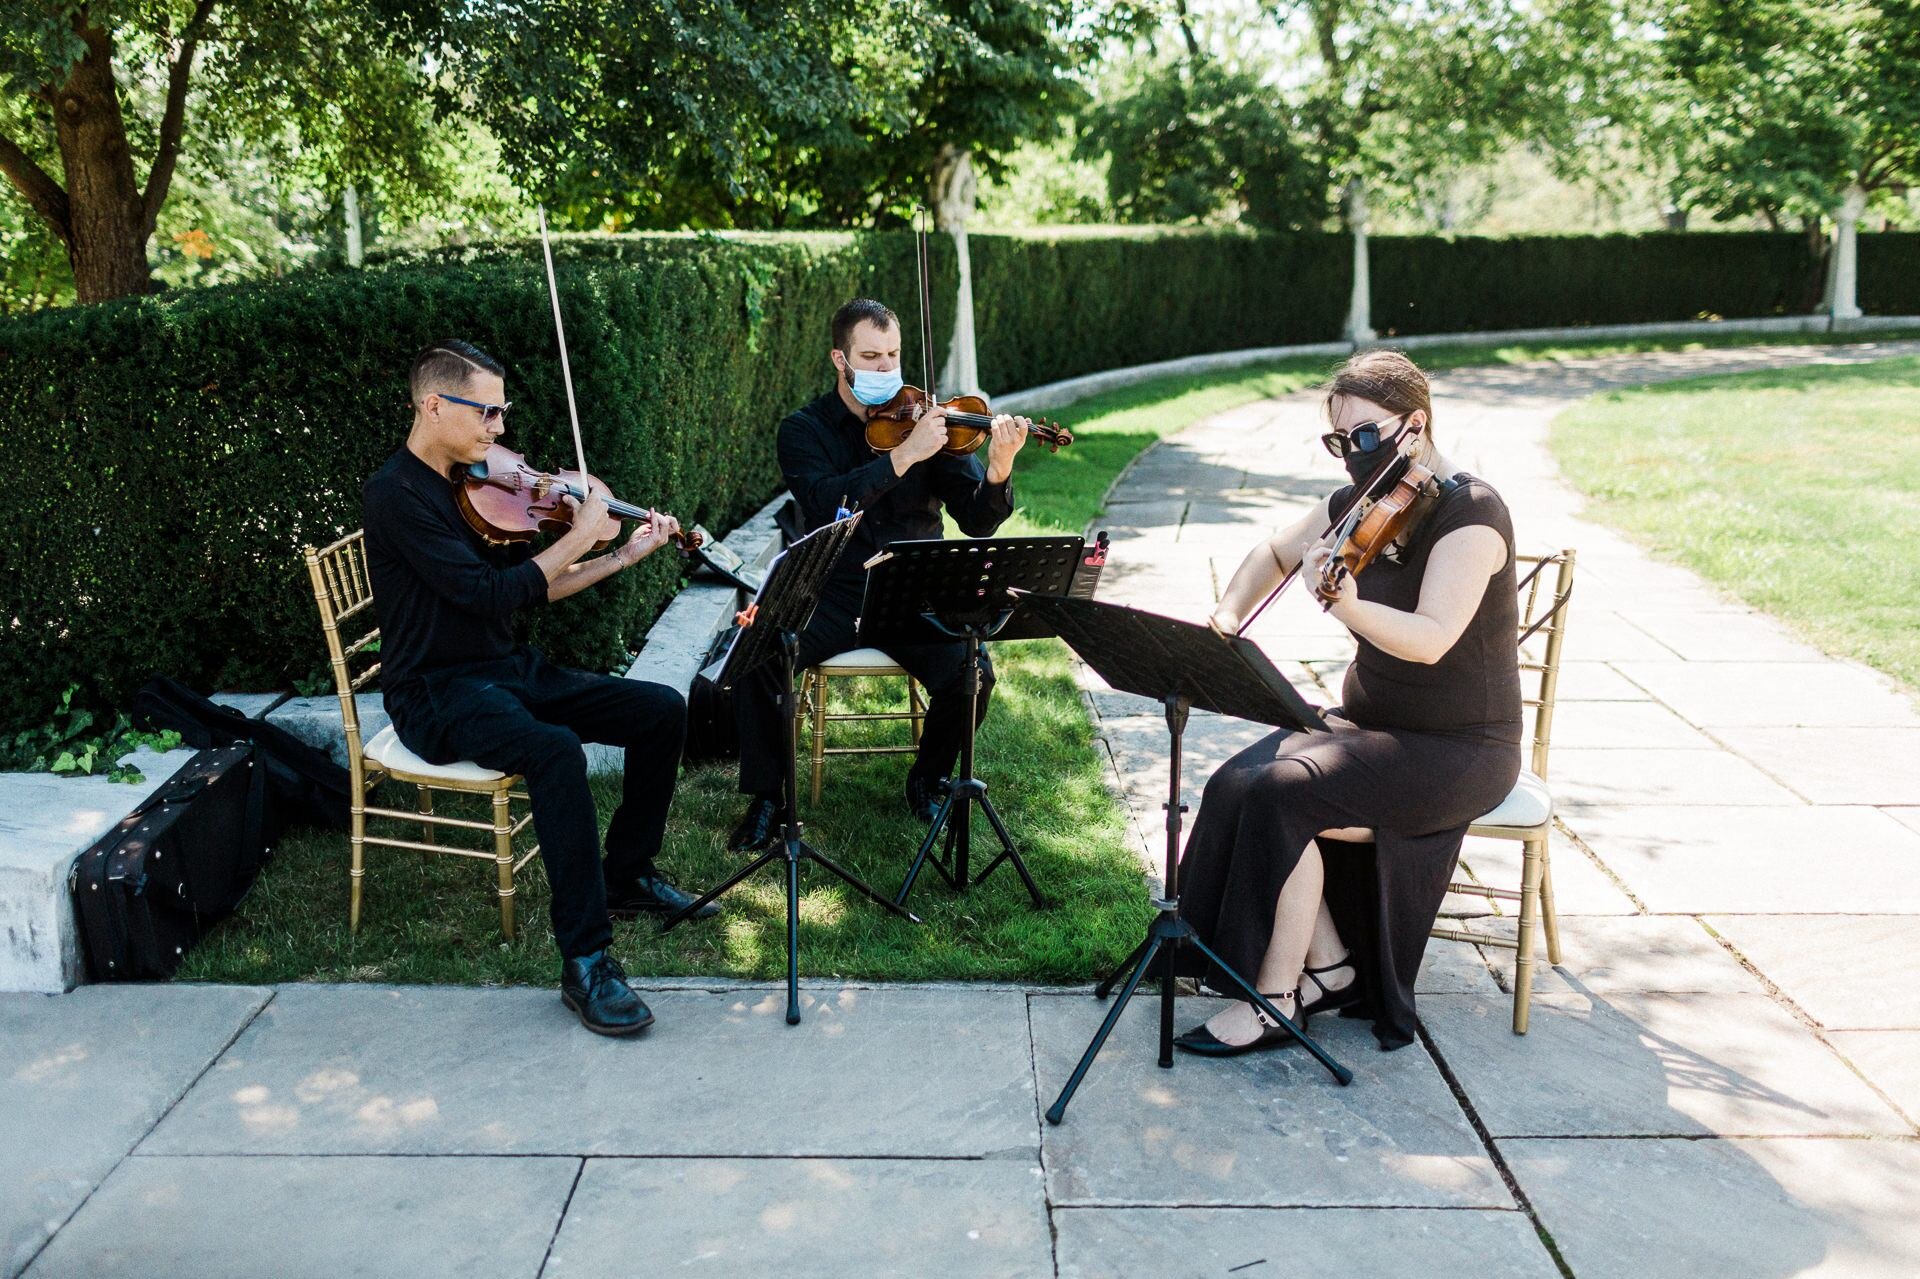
x,y
1526,815
343,591
813,706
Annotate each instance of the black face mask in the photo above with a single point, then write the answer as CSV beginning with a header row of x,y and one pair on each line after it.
x,y
1361,464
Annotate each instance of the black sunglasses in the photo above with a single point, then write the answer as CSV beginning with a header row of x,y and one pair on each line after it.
x,y
488,412
1364,437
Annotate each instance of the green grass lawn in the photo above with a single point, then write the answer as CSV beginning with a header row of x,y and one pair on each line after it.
x,y
1796,490
434,919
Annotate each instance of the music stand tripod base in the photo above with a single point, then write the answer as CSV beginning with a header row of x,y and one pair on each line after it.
x,y
921,591
778,614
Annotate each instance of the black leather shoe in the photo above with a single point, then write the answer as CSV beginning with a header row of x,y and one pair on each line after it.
x,y
1330,999
757,829
923,797
654,895
1204,1043
595,987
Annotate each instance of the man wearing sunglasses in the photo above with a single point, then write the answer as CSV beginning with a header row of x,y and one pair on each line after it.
x,y
459,688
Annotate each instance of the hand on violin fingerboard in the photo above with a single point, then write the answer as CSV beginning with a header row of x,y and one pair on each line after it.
x,y
647,537
928,437
1009,437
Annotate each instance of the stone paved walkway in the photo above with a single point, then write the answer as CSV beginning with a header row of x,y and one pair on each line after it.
x,y
1720,1080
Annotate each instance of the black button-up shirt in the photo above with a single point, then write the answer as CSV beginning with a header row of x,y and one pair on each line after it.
x,y
444,597
825,460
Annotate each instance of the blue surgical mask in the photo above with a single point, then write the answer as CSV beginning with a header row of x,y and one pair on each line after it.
x,y
873,388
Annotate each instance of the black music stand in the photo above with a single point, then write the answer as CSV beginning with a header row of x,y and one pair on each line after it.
x,y
922,591
771,633
1180,665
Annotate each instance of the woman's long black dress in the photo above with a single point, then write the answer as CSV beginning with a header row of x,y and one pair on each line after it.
x,y
1417,753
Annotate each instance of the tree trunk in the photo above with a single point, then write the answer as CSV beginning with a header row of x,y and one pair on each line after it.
x,y
1360,305
954,189
1843,264
350,211
106,232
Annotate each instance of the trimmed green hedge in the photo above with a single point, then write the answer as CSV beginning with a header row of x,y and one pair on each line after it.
x,y
173,453
1052,306
1435,284
181,449
1890,273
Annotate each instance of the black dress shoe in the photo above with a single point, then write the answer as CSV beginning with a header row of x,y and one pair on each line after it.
x,y
1204,1043
923,795
758,828
654,895
595,987
1330,999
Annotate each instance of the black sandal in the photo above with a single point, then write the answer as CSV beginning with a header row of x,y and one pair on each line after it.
x,y
1205,1043
1330,999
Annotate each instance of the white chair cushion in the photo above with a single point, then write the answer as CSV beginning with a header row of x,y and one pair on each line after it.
x,y
387,750
1528,804
858,659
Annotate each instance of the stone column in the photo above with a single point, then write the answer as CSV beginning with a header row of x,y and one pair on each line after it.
x,y
1844,271
1360,306
954,189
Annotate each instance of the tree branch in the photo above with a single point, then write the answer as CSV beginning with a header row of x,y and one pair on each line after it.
x,y
43,194
173,121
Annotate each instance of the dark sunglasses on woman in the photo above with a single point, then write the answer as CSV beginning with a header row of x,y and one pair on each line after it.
x,y
1364,438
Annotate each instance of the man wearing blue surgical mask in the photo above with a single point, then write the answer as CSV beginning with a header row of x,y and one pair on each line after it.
x,y
828,465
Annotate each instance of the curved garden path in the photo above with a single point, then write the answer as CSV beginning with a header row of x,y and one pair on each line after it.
x,y
1737,865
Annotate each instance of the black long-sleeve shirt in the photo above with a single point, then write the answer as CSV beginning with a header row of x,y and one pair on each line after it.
x,y
443,596
824,458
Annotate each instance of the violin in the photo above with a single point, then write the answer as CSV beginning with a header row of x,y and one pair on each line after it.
x,y
969,421
505,500
1369,526
1375,517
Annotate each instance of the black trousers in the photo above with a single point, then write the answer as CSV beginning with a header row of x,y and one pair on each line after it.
x,y
938,667
524,715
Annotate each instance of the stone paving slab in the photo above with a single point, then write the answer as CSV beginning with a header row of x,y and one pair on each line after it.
x,y
1836,765
1298,1241
1694,859
1602,635
1785,694
1596,682
1269,1128
1455,968
1717,635
1631,779
441,1070
1890,1059
1610,955
1756,1209
1651,1065
1635,726
1847,972
83,1077
312,1218
807,1217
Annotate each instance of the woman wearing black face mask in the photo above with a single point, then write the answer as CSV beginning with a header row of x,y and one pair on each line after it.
x,y
1318,861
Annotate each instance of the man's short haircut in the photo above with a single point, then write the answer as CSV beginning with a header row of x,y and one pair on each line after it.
x,y
853,313
448,365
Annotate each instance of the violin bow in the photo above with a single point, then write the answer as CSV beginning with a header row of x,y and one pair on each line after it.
x,y
920,218
560,331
